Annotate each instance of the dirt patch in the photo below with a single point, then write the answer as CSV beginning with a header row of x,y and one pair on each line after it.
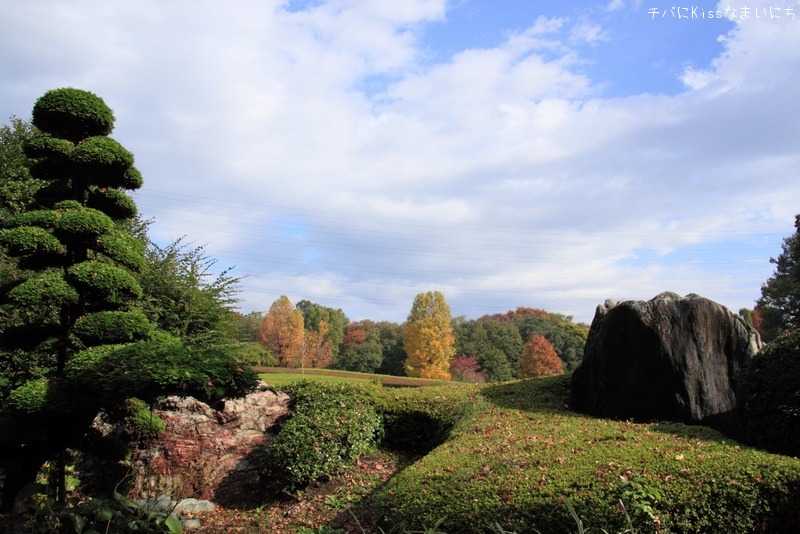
x,y
343,502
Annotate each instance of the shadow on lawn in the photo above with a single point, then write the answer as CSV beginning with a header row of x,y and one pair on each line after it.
x,y
548,394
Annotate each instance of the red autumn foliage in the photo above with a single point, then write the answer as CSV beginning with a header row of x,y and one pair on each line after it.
x,y
539,358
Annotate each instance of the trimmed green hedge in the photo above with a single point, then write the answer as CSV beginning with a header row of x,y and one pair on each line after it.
x,y
49,289
113,202
103,282
150,369
82,224
122,248
28,240
330,426
112,327
72,114
101,161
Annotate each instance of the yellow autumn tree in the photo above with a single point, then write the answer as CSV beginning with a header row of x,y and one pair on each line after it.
x,y
282,332
428,337
539,358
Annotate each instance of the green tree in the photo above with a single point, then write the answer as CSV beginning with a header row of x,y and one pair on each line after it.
x,y
779,305
428,337
182,295
361,349
75,297
496,345
393,353
76,290
17,186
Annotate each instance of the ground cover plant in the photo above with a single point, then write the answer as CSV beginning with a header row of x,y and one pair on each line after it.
x,y
523,456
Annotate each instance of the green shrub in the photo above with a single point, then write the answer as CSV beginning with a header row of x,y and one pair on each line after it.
x,y
102,161
72,114
123,248
132,179
149,369
83,224
46,146
104,282
49,289
29,398
254,354
112,327
113,202
26,240
41,218
140,420
770,397
330,426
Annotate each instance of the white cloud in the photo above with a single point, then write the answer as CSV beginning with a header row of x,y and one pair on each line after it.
x,y
501,176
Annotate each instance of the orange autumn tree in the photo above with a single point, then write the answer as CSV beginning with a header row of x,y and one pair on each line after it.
x,y
539,358
282,332
428,337
316,348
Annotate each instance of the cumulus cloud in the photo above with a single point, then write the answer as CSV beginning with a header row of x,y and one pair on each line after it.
x,y
320,150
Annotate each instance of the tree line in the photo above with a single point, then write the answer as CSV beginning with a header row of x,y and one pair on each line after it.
x,y
431,343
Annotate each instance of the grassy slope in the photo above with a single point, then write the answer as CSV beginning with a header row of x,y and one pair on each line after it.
x,y
522,454
280,376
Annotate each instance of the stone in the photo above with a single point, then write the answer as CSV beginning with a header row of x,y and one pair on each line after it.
x,y
671,358
206,453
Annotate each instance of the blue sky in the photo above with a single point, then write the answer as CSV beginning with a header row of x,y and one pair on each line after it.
x,y
505,152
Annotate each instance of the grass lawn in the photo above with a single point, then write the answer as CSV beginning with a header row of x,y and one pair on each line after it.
x,y
280,376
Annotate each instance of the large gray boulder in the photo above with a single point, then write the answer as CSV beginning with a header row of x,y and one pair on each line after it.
x,y
670,358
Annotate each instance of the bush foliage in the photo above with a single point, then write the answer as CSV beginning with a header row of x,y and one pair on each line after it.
x,y
771,397
330,427
149,369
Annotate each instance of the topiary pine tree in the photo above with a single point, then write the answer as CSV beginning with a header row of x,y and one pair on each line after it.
x,y
76,288
73,300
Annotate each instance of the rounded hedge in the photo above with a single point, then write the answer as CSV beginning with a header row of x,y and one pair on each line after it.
x,y
132,179
150,369
72,114
106,327
27,240
83,224
46,146
41,218
29,398
104,283
123,248
113,202
48,289
770,397
102,161
331,425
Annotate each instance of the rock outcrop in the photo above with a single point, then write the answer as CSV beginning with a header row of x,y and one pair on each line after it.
x,y
671,358
206,453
